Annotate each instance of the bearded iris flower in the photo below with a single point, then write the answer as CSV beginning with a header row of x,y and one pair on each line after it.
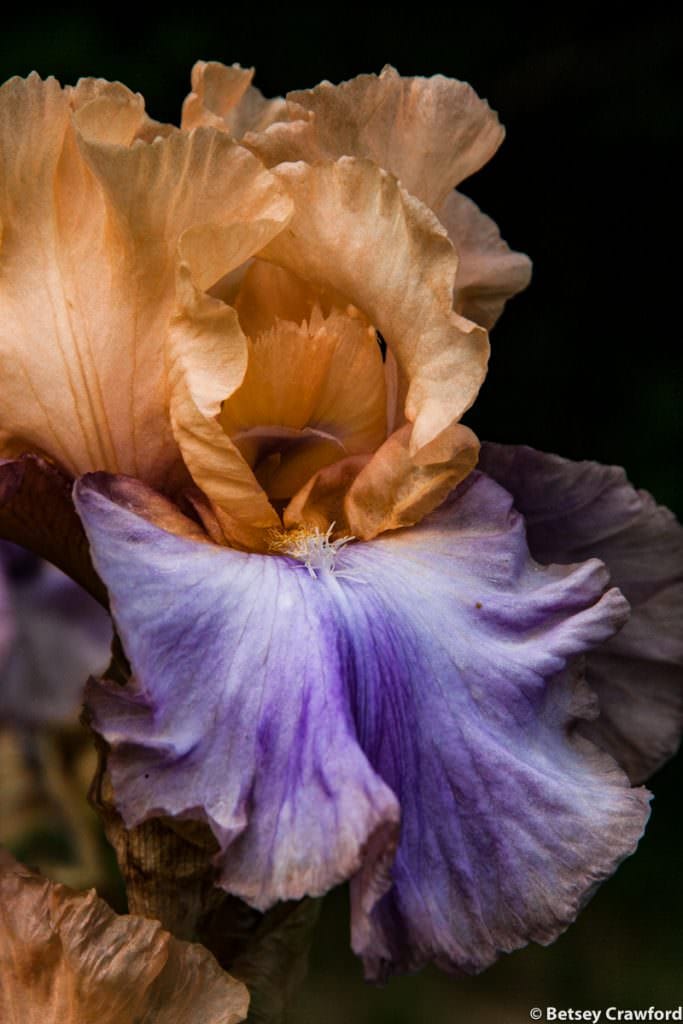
x,y
349,658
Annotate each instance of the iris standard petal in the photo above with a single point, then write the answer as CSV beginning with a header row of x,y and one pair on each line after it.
x,y
580,510
289,706
489,272
67,958
430,133
354,229
91,226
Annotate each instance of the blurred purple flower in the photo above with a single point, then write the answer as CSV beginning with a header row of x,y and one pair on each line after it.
x,y
53,635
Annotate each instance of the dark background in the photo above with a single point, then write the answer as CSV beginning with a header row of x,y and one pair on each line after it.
x,y
586,363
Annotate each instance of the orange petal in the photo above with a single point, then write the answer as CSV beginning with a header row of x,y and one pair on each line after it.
x,y
394,490
320,502
355,229
223,97
313,393
268,293
109,112
325,374
207,362
67,958
431,133
87,278
489,272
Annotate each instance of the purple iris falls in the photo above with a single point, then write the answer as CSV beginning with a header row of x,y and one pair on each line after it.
x,y
403,715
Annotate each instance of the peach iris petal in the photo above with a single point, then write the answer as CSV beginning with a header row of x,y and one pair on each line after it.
x,y
207,363
324,374
489,272
365,496
396,490
354,233
223,97
430,133
268,293
91,229
67,958
355,229
257,417
313,394
109,112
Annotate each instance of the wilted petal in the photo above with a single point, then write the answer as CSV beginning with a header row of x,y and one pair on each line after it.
x,y
354,229
223,97
91,228
263,687
241,717
395,490
61,636
578,510
489,272
430,133
67,958
366,496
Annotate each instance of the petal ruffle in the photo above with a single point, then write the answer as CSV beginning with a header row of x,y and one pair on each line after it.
x,y
223,97
67,958
430,133
578,510
263,688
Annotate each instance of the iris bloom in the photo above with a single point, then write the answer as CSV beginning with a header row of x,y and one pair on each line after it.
x,y
346,660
